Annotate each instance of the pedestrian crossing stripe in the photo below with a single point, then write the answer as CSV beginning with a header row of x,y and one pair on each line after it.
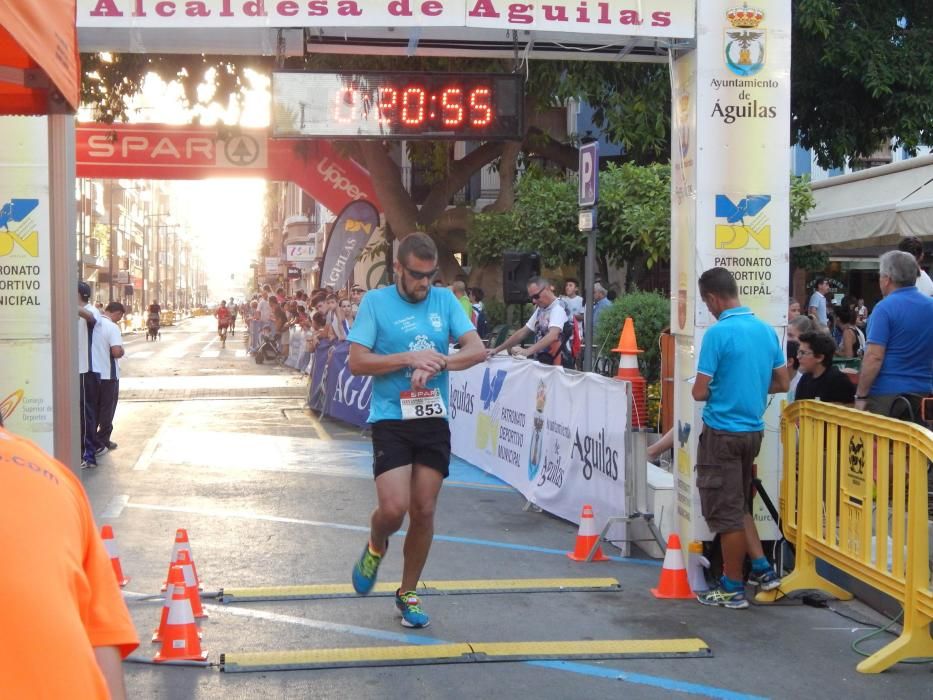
x,y
210,354
464,652
462,587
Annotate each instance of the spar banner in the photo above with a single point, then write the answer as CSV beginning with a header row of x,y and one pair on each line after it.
x,y
351,232
557,437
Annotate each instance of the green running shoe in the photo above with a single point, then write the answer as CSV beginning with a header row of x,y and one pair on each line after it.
x,y
365,570
409,605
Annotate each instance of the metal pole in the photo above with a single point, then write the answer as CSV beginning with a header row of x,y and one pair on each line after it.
x,y
61,130
590,278
110,246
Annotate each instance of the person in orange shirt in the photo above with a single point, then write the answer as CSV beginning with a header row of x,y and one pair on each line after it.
x,y
64,626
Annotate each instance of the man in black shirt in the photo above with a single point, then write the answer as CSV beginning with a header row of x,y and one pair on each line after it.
x,y
820,379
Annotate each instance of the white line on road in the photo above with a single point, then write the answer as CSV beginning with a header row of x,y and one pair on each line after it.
x,y
141,355
115,507
145,457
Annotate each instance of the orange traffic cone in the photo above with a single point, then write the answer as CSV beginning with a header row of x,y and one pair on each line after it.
x,y
628,370
586,538
179,580
181,542
110,544
673,583
191,586
180,640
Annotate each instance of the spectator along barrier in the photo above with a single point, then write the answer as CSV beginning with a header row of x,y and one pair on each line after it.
x,y
854,494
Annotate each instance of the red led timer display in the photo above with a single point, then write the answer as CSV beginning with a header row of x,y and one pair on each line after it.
x,y
400,105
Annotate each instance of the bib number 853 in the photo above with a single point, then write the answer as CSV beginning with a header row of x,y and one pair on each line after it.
x,y
428,410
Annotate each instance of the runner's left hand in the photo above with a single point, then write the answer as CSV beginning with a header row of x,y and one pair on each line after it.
x,y
420,379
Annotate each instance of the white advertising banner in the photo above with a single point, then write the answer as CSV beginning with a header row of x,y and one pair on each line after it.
x,y
743,126
648,18
26,397
557,437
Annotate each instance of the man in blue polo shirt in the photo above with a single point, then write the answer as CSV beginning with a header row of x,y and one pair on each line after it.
x,y
741,362
899,358
400,338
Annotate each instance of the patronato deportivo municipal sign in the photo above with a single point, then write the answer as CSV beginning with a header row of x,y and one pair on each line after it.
x,y
555,23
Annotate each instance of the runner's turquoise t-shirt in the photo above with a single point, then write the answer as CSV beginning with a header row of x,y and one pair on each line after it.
x,y
386,323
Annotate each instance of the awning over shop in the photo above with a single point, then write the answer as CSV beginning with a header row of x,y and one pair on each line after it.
x,y
38,57
871,208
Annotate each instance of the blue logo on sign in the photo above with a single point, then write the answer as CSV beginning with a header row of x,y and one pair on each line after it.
x,y
492,386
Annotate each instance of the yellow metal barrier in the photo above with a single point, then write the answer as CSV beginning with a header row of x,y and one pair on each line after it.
x,y
168,318
854,494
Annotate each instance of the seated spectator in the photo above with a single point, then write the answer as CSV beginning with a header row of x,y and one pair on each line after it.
x,y
820,379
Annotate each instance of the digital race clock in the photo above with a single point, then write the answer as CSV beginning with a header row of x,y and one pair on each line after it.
x,y
383,105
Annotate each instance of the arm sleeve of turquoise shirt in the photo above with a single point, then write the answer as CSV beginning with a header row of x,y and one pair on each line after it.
x,y
709,355
363,331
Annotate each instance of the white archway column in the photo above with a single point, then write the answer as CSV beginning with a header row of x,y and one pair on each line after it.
x,y
729,207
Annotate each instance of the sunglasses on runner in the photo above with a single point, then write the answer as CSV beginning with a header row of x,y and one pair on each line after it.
x,y
536,296
421,275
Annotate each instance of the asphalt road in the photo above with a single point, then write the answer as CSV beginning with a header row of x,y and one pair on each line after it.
x,y
272,496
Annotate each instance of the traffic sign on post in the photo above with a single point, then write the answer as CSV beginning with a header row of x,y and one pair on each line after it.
x,y
589,175
586,198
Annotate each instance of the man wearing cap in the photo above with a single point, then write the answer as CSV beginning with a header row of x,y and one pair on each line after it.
x,y
89,384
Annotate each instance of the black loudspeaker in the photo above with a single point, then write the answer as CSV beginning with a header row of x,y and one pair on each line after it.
x,y
517,269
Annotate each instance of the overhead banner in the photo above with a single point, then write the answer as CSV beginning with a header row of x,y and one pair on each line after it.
x,y
191,152
351,232
557,437
26,398
645,18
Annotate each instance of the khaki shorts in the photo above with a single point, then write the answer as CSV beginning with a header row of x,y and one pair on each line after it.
x,y
724,476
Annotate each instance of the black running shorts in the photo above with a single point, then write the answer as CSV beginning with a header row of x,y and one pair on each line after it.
x,y
397,443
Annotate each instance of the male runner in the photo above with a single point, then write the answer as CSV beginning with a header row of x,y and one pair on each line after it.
x,y
400,337
223,321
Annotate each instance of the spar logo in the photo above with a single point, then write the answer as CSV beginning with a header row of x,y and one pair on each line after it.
x,y
745,222
487,422
24,236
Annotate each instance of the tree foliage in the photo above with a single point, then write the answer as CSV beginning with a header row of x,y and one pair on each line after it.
x,y
634,218
862,75
650,312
